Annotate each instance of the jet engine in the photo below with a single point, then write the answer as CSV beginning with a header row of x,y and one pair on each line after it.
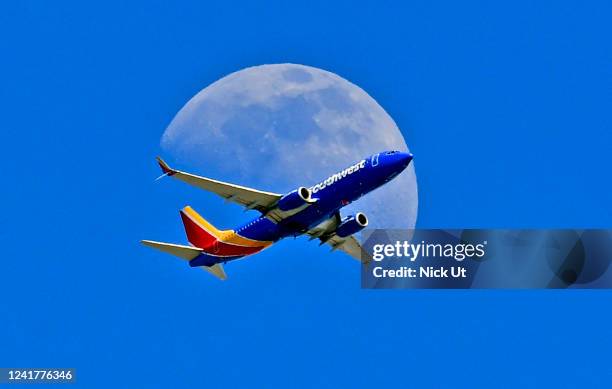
x,y
295,199
352,224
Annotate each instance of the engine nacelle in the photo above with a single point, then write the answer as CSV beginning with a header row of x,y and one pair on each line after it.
x,y
295,199
352,224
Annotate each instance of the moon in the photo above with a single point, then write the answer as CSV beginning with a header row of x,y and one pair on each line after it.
x,y
278,127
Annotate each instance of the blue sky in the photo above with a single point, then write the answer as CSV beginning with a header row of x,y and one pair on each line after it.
x,y
506,108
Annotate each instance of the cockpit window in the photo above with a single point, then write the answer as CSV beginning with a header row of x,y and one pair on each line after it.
x,y
392,152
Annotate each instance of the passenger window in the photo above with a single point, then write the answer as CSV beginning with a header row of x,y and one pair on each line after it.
x,y
375,160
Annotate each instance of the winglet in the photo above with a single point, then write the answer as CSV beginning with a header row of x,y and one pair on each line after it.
x,y
168,171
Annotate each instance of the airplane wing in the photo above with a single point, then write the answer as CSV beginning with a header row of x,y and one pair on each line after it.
x,y
247,197
350,245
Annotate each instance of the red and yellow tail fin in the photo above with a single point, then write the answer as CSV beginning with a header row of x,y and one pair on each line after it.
x,y
200,232
226,243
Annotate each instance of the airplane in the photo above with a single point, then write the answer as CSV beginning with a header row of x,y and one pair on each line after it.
x,y
313,211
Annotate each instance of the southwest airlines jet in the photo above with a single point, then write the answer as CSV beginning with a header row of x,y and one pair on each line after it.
x,y
313,211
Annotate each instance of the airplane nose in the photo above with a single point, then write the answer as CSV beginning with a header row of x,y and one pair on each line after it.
x,y
405,159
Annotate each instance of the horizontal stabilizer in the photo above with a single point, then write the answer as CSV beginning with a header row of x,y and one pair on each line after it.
x,y
216,270
188,253
185,252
